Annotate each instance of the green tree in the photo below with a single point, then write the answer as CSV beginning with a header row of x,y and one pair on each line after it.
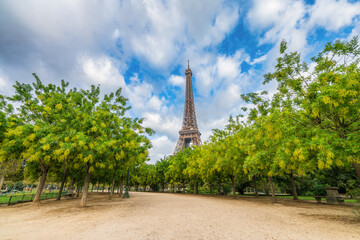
x,y
161,168
326,98
35,137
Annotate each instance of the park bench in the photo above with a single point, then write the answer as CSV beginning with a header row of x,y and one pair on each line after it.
x,y
318,198
69,195
332,196
341,200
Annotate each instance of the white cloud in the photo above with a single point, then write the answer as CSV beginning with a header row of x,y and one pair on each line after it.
x,y
264,14
178,81
293,20
282,21
355,31
227,67
332,14
259,59
155,103
161,146
205,79
166,27
5,84
102,70
220,73
139,93
164,124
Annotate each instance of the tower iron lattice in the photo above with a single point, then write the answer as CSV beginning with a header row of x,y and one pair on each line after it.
x,y
189,133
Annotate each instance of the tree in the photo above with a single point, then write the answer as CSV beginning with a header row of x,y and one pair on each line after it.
x,y
99,123
178,164
326,98
34,131
161,168
9,163
192,167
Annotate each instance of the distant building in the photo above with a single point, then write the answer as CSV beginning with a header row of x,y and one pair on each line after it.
x,y
189,133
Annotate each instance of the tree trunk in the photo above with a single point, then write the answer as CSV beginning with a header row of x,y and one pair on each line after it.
x,y
183,187
266,188
144,188
112,188
172,188
86,187
212,189
293,187
196,188
62,184
233,187
255,187
220,188
273,197
44,171
2,179
121,186
77,190
103,188
357,169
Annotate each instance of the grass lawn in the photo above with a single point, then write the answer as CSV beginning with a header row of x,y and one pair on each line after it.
x,y
24,197
312,198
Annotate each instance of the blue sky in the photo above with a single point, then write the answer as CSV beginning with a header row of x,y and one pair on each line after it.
x,y
143,47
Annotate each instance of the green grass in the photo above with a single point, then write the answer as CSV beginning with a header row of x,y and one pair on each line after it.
x,y
312,198
301,197
21,197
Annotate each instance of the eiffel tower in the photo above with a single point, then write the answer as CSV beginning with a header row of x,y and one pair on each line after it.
x,y
189,133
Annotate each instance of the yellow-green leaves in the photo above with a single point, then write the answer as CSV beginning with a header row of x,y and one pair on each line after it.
x,y
58,107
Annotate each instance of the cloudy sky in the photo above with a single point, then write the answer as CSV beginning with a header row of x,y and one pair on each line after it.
x,y
143,47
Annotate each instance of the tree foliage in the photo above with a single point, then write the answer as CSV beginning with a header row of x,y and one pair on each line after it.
x,y
75,130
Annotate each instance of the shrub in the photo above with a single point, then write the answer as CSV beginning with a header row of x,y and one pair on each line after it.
x,y
319,190
355,194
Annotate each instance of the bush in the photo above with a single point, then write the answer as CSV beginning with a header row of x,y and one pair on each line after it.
x,y
205,189
226,189
155,187
355,194
319,190
309,193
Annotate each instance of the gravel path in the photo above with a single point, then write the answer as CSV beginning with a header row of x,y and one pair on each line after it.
x,y
177,216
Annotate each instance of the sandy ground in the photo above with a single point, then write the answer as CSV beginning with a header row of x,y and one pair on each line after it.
x,y
177,216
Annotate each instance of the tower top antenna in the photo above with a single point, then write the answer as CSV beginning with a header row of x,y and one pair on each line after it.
x,y
188,64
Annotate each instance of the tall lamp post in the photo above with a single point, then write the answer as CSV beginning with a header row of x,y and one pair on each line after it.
x,y
126,194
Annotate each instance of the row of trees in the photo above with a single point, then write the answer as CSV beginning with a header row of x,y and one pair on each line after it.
x,y
69,134
309,125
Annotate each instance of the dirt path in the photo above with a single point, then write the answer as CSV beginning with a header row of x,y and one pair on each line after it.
x,y
177,216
